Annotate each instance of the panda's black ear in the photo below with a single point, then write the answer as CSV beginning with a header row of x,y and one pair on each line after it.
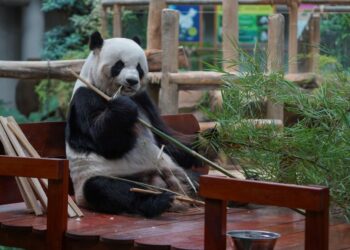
x,y
137,40
96,41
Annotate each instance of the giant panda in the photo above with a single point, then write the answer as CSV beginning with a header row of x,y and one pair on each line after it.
x,y
104,139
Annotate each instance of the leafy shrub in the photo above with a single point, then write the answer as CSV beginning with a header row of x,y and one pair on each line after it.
x,y
314,150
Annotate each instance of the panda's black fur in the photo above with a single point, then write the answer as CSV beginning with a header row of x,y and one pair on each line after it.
x,y
100,131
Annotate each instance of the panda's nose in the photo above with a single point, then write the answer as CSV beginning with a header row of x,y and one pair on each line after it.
x,y
132,81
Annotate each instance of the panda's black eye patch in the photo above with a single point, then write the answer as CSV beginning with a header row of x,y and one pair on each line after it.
x,y
117,67
140,70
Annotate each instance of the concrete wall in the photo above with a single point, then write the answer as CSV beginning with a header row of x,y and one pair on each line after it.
x,y
10,48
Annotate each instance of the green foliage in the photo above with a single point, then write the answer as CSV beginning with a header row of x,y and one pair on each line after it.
x,y
335,33
314,150
65,42
83,19
135,24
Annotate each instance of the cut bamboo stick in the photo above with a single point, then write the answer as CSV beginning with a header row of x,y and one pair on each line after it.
x,y
33,182
178,197
25,183
73,209
10,151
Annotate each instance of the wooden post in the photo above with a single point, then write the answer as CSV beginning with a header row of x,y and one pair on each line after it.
x,y
215,224
104,21
229,43
317,226
229,32
117,21
315,38
275,59
293,37
57,209
169,96
154,37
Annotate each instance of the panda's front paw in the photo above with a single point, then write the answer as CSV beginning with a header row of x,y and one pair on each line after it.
x,y
124,108
157,204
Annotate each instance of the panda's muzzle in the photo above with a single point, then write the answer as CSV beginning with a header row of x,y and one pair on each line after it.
x,y
132,82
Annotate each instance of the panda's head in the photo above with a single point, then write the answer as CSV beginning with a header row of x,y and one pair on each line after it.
x,y
117,62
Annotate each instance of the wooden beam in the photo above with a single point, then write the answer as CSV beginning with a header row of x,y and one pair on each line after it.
x,y
229,33
154,37
315,39
275,59
58,69
293,37
117,21
169,97
217,2
212,80
104,21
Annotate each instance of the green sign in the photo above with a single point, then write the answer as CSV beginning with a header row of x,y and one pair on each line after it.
x,y
253,23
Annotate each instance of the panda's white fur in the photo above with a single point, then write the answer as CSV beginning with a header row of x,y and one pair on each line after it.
x,y
142,158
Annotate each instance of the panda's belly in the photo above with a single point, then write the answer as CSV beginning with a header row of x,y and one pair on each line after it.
x,y
142,158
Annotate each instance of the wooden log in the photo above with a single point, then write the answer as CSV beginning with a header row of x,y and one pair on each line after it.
x,y
58,69
275,59
117,21
104,21
169,97
293,37
154,37
154,26
213,2
315,38
229,33
195,80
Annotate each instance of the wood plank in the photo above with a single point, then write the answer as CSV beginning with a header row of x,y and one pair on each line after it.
x,y
31,167
285,195
169,97
275,60
57,208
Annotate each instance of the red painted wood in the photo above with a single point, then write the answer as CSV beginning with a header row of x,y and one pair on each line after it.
x,y
46,137
317,230
9,183
57,209
31,167
265,193
314,199
184,123
215,224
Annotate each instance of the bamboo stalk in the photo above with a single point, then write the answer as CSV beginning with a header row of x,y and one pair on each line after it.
x,y
73,209
159,132
34,182
26,186
178,197
10,151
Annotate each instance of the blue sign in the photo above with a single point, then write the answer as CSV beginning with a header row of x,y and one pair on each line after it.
x,y
189,22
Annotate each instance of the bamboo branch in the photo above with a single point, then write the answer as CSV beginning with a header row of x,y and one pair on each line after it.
x,y
159,132
178,197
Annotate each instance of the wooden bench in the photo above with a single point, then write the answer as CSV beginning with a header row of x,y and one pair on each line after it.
x,y
171,231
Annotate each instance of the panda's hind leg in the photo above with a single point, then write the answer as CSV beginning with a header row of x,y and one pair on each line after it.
x,y
108,195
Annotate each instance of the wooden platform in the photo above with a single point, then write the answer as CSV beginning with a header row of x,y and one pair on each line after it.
x,y
170,231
